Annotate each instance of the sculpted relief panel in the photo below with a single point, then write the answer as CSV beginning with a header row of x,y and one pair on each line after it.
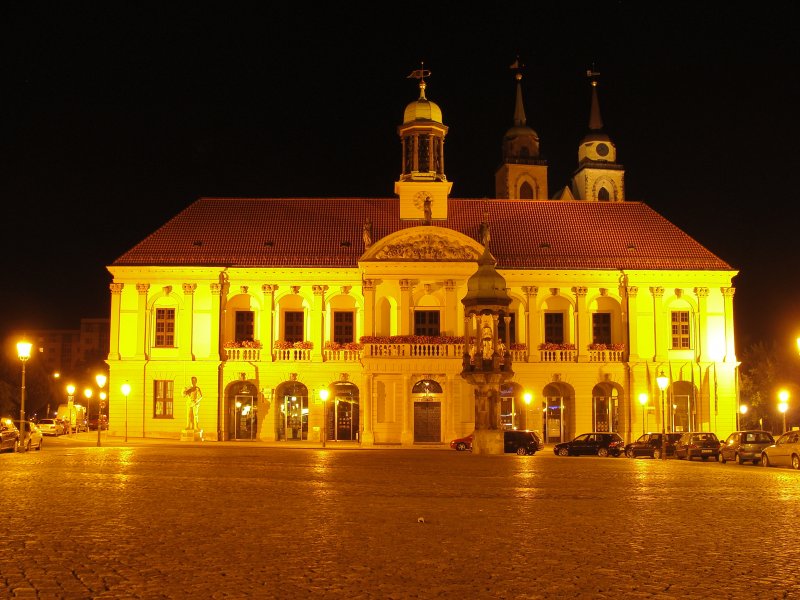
x,y
427,247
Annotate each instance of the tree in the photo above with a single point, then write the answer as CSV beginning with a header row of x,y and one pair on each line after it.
x,y
763,372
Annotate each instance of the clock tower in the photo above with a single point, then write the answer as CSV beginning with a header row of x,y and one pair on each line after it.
x,y
423,187
598,176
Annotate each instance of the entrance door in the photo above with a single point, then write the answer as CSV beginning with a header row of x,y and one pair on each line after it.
x,y
554,419
682,417
244,418
295,415
427,421
346,420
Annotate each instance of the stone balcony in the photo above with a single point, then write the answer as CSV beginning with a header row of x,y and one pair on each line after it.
x,y
244,354
420,350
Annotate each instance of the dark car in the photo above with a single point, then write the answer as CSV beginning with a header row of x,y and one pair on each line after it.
x,y
701,444
601,443
745,446
649,444
519,441
103,423
9,434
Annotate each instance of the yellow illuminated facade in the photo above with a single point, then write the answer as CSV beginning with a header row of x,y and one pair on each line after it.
x,y
269,302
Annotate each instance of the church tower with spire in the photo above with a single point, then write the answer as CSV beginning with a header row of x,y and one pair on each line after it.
x,y
523,173
423,187
598,176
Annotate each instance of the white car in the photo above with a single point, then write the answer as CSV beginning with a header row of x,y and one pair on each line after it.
x,y
32,437
785,452
51,427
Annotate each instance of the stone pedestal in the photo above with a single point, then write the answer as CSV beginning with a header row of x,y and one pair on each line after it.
x,y
192,435
488,441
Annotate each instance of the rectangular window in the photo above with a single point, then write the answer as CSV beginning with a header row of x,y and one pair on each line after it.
x,y
554,328
426,322
165,327
601,328
680,330
512,330
163,399
293,326
244,325
343,326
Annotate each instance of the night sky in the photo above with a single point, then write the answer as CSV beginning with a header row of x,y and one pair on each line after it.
x,y
116,117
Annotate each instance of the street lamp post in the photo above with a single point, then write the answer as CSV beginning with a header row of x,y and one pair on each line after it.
x,y
323,394
643,401
126,389
663,381
88,395
70,406
783,396
742,412
24,353
101,383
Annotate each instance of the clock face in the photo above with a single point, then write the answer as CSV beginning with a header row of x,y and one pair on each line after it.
x,y
419,199
602,149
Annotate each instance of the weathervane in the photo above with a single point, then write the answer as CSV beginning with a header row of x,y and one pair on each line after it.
x,y
420,73
592,74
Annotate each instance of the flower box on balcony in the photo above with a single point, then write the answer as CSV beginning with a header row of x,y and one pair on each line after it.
x,y
612,347
354,346
412,339
283,345
556,346
255,344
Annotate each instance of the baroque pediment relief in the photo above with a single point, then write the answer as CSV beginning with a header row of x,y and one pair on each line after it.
x,y
426,245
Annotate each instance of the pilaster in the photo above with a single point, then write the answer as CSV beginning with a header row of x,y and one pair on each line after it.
x,y
451,308
660,331
404,318
187,322
216,316
701,324
367,435
582,329
267,318
368,291
318,321
532,316
141,321
116,301
633,322
730,346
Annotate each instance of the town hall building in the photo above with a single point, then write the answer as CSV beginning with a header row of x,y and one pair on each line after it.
x,y
340,320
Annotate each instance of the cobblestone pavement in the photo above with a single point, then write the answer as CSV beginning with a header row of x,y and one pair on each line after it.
x,y
228,520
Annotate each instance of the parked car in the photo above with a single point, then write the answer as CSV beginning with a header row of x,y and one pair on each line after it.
x,y
103,423
462,444
784,452
649,444
51,427
519,441
32,436
700,444
745,446
601,443
9,435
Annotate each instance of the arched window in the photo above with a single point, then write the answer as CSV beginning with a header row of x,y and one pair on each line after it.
x,y
603,195
525,191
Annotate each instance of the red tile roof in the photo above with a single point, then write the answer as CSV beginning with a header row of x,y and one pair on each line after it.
x,y
322,232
